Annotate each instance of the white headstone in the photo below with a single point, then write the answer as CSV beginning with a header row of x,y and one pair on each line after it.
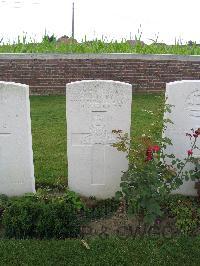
x,y
16,156
94,109
185,96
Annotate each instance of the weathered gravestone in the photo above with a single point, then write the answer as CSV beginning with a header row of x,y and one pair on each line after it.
x,y
185,115
94,109
16,156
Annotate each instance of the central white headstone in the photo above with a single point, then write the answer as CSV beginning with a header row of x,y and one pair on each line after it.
x,y
16,156
94,109
185,115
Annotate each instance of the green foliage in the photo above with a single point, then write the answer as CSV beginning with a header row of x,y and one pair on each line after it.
x,y
48,39
3,201
144,188
43,215
19,219
49,215
152,173
49,45
187,214
102,209
142,185
3,204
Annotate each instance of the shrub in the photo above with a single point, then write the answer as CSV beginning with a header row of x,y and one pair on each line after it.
x,y
60,218
20,217
43,217
3,202
152,173
186,211
102,209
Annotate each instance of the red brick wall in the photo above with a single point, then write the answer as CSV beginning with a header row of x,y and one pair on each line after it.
x,y
48,74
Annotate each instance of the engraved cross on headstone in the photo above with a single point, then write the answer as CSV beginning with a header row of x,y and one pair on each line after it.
x,y
4,129
99,139
4,134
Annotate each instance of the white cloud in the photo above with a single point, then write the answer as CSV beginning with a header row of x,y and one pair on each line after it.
x,y
94,18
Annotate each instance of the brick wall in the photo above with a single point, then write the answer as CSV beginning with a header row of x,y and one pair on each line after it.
x,y
48,73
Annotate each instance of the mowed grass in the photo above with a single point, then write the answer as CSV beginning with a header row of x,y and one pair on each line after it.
x,y
146,251
48,119
49,133
49,145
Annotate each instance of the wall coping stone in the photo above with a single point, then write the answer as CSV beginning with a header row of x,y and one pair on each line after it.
x,y
109,56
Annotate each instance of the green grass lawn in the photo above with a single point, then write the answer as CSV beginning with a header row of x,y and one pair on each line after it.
x,y
49,146
49,138
49,132
146,251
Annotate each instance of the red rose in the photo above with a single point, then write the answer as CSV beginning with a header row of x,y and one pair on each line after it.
x,y
190,152
149,158
150,151
149,154
155,148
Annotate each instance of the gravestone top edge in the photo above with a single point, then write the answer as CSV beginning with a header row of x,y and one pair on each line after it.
x,y
9,83
182,82
99,81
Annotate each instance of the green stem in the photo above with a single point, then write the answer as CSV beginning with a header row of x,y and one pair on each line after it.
x,y
186,161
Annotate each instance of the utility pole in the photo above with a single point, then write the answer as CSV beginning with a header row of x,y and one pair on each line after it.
x,y
73,20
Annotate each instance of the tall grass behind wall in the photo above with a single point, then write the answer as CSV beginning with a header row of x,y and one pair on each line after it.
x,y
98,46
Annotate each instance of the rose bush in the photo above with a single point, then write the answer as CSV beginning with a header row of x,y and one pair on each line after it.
x,y
150,177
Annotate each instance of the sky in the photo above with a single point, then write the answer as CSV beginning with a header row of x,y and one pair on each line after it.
x,y
152,20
